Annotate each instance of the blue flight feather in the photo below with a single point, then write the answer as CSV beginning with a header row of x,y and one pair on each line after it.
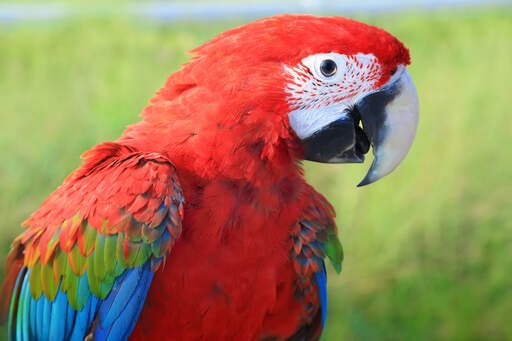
x,y
33,317
70,321
82,322
321,280
94,308
116,301
140,303
47,313
119,312
117,330
39,319
59,315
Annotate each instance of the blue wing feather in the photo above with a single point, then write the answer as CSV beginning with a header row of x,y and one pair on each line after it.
x,y
83,321
33,316
58,320
141,298
38,318
119,312
113,305
70,321
47,315
321,280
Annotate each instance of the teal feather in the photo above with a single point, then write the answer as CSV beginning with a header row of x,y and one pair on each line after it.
x,y
11,309
40,312
45,336
83,292
22,328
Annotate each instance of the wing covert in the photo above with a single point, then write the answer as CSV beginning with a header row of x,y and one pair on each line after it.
x,y
314,238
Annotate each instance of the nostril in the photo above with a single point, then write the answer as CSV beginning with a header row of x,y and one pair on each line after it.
x,y
393,71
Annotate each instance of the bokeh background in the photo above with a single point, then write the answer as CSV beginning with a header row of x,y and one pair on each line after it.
x,y
428,248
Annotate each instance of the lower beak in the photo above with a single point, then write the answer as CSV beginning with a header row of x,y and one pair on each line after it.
x,y
389,117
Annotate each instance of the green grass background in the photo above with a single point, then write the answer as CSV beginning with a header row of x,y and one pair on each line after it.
x,y
428,248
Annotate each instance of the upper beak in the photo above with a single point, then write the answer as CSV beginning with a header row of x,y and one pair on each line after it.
x,y
389,117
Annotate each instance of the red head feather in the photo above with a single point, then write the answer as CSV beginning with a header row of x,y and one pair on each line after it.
x,y
233,90
289,38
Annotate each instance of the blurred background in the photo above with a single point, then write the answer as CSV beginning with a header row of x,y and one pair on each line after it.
x,y
428,248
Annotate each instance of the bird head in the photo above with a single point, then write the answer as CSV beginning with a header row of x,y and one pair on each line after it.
x,y
330,86
353,93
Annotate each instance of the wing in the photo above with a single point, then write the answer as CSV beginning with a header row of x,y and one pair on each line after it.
x,y
314,238
86,261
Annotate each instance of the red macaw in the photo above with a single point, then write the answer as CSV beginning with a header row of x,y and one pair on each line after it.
x,y
197,224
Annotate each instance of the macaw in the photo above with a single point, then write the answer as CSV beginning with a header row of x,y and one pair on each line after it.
x,y
197,223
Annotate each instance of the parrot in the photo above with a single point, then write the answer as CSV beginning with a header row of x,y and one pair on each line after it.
x,y
198,223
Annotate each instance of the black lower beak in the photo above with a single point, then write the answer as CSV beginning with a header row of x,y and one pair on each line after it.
x,y
342,141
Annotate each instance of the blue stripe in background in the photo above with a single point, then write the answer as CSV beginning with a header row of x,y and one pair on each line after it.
x,y
175,11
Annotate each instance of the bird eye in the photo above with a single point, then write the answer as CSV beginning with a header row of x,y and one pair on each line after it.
x,y
328,67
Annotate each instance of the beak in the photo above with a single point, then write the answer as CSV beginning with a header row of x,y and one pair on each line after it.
x,y
389,117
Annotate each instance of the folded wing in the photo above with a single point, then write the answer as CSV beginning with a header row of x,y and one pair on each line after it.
x,y
86,260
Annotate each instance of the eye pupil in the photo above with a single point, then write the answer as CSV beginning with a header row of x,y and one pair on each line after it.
x,y
328,67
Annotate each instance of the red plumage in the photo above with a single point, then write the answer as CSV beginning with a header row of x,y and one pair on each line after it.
x,y
234,273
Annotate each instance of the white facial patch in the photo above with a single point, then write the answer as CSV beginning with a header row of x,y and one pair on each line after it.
x,y
317,99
